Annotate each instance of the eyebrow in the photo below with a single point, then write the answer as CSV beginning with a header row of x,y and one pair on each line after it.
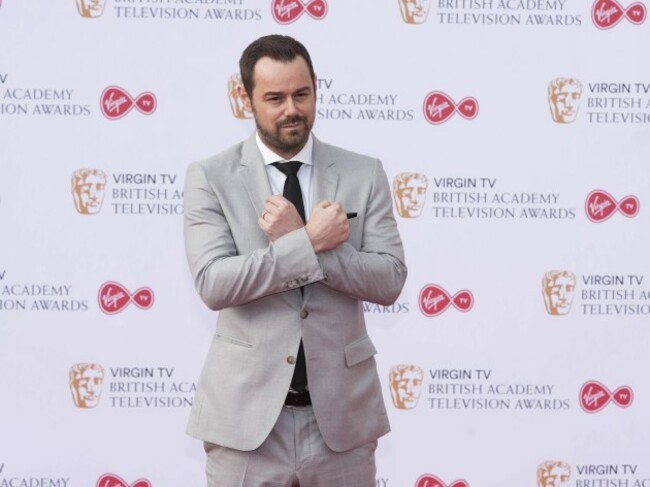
x,y
280,93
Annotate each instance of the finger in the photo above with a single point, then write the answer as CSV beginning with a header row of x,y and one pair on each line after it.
x,y
262,224
276,200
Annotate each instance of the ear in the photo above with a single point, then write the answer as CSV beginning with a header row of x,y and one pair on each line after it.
x,y
243,96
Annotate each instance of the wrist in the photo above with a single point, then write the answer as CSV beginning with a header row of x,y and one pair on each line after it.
x,y
315,242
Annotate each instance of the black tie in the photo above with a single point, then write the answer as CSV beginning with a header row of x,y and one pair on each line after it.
x,y
291,189
293,193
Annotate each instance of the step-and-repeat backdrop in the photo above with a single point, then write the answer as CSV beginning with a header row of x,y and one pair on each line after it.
x,y
515,137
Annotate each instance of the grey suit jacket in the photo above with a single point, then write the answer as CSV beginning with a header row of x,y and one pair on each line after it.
x,y
255,285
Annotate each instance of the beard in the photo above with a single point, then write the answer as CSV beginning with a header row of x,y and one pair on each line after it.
x,y
286,141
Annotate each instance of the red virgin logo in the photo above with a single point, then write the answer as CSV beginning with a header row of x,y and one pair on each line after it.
x,y
439,107
287,11
601,206
429,480
594,396
113,298
607,13
112,480
116,102
434,300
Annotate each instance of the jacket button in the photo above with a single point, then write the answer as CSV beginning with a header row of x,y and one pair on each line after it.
x,y
304,313
291,359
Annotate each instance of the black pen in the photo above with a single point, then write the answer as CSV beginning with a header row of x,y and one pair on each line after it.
x,y
351,215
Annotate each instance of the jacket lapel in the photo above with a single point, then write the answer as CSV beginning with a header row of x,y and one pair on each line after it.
x,y
253,175
325,174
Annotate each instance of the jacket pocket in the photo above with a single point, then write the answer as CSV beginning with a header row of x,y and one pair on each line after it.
x,y
233,340
359,350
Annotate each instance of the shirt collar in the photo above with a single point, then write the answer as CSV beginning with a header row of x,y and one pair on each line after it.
x,y
304,156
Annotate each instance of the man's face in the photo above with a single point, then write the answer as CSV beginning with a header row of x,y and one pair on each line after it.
x,y
411,197
560,295
555,477
406,388
567,102
414,11
91,8
283,104
89,194
88,387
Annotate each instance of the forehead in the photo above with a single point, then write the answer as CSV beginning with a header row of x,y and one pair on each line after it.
x,y
278,76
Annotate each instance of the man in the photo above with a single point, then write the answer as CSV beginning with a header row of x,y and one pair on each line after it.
x,y
558,288
290,293
410,191
564,99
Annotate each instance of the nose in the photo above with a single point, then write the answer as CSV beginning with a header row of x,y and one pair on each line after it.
x,y
290,107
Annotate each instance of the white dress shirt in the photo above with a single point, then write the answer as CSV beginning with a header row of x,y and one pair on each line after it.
x,y
277,177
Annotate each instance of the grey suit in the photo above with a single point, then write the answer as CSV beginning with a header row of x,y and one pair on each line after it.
x,y
263,315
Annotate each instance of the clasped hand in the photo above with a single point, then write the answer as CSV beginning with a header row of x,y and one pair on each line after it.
x,y
327,227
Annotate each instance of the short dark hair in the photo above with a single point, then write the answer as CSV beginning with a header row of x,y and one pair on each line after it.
x,y
277,47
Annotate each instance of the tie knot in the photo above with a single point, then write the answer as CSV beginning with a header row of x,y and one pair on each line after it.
x,y
288,168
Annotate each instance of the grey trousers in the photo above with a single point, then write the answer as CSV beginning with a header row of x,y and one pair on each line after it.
x,y
293,455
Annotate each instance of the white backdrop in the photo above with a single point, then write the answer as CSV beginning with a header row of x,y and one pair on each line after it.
x,y
506,385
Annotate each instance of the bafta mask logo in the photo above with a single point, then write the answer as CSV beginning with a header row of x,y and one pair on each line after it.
x,y
112,480
91,8
414,11
558,288
553,474
88,186
86,384
410,191
564,99
405,385
239,108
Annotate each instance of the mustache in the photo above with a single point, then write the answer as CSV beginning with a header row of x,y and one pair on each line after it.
x,y
292,121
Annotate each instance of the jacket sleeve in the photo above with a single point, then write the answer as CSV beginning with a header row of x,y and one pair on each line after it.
x,y
377,271
223,276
